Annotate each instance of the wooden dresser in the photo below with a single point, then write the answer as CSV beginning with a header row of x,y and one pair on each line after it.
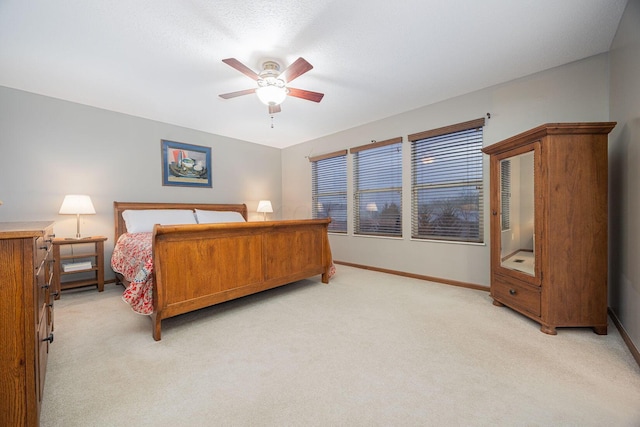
x,y
549,224
26,319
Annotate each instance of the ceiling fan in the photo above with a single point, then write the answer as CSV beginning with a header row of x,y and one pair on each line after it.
x,y
272,84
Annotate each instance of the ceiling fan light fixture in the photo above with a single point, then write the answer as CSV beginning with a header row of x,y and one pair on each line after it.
x,y
272,84
272,94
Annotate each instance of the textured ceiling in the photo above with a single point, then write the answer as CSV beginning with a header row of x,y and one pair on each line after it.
x,y
162,59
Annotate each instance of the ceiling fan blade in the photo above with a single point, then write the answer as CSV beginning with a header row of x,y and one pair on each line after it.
x,y
306,94
298,68
274,109
238,93
233,62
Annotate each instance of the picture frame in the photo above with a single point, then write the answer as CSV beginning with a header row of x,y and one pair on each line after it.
x,y
185,165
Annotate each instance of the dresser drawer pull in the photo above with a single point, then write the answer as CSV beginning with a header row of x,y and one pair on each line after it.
x,y
49,338
55,294
512,291
45,286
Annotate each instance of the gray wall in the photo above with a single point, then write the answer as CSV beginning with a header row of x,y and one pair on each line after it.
x,y
624,174
572,93
51,148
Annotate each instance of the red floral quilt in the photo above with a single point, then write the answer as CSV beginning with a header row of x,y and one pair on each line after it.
x,y
132,257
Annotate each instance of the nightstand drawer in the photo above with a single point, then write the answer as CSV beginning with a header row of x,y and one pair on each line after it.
x,y
516,294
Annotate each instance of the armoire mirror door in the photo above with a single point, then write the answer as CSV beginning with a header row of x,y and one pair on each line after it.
x,y
516,213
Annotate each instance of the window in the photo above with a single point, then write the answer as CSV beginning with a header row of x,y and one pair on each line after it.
x,y
505,194
329,192
377,181
446,183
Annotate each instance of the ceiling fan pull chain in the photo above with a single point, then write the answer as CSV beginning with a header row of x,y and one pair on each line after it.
x,y
271,121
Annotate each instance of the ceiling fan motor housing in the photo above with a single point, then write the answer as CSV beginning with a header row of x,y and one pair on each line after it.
x,y
269,75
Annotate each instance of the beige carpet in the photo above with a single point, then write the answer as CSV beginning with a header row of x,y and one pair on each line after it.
x,y
369,349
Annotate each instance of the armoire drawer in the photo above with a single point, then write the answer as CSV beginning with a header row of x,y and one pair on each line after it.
x,y
516,294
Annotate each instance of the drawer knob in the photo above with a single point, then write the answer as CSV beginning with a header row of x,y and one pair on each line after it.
x,y
512,291
49,338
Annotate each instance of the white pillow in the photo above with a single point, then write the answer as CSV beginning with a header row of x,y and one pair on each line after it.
x,y
142,221
211,217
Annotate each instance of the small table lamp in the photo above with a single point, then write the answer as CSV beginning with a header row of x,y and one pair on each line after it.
x,y
264,206
74,204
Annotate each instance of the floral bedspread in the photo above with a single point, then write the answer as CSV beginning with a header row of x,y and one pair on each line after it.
x,y
132,257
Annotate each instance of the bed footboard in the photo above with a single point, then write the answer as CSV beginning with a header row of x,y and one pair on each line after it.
x,y
201,265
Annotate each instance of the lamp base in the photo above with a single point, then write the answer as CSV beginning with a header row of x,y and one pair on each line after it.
x,y
78,237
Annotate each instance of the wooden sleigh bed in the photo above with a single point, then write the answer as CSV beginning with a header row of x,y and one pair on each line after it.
x,y
199,265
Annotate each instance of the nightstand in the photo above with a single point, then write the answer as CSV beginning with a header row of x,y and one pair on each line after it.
x,y
86,250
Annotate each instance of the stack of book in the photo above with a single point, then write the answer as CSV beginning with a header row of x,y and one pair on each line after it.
x,y
77,266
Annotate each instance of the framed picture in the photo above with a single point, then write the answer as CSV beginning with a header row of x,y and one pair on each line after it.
x,y
186,165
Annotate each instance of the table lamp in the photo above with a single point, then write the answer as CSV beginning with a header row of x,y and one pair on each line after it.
x,y
76,204
264,206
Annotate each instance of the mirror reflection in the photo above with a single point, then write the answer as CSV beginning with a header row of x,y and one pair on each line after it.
x,y
517,213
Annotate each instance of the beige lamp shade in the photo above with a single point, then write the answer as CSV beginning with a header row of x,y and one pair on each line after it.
x,y
76,204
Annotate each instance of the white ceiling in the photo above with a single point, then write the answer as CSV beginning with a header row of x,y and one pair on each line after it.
x,y
162,59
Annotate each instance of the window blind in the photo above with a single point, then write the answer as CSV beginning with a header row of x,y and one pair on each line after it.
x,y
446,183
329,189
377,180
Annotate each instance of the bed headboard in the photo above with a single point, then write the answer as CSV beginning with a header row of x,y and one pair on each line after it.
x,y
119,207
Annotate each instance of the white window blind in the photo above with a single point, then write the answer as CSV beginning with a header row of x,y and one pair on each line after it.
x,y
329,192
377,180
505,194
446,183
